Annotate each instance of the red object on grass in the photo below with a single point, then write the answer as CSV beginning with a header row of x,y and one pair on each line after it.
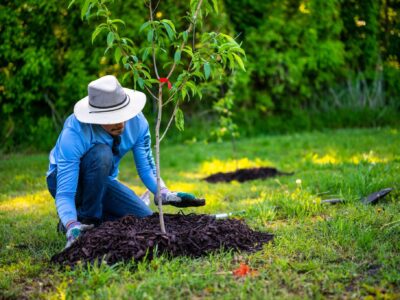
x,y
164,79
243,270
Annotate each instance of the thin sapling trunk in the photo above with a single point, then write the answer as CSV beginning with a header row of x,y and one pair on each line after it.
x,y
158,195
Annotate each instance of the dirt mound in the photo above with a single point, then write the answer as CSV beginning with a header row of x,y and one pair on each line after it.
x,y
243,175
188,235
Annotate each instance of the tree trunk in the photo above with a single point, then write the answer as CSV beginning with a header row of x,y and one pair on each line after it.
x,y
158,195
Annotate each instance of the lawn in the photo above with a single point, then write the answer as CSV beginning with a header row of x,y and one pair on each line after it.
x,y
348,250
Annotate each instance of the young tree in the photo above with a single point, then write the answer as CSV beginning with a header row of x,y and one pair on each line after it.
x,y
194,58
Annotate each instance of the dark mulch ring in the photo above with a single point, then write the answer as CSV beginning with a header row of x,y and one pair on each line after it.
x,y
187,235
242,175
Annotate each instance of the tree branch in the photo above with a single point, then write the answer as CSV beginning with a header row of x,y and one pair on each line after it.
x,y
155,8
171,97
152,43
56,117
188,31
148,90
170,120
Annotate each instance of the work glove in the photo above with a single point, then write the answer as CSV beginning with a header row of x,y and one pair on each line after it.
x,y
179,199
74,230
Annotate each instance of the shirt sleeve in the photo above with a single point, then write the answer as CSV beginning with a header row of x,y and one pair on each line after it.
x,y
71,149
144,160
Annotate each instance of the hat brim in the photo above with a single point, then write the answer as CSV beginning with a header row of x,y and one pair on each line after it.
x,y
135,106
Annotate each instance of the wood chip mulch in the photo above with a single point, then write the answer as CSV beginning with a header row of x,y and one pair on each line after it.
x,y
187,235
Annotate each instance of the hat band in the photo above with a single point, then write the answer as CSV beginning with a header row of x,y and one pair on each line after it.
x,y
124,103
110,106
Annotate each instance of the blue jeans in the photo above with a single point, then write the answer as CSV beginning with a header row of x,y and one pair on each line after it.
x,y
98,197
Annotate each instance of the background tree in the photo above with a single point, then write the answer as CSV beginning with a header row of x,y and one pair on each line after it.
x,y
310,65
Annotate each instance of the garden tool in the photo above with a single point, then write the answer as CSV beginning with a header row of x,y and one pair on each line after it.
x,y
229,214
374,197
177,199
180,199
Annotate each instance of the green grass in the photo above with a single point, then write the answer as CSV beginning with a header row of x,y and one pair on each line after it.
x,y
320,251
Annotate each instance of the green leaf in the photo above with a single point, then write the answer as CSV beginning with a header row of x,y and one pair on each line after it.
x,y
167,64
135,58
125,41
177,56
179,120
155,81
145,73
150,35
215,5
184,93
231,61
117,54
141,82
185,35
126,75
198,74
147,83
171,34
110,39
169,22
144,25
188,50
118,21
101,12
105,52
192,86
238,49
193,4
207,70
85,8
146,53
228,38
71,3
239,61
97,31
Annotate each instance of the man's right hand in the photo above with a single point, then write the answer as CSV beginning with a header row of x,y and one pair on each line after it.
x,y
178,199
74,230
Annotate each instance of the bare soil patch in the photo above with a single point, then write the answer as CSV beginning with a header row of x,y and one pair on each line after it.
x,y
243,175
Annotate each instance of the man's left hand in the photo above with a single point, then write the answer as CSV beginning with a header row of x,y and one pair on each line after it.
x,y
74,230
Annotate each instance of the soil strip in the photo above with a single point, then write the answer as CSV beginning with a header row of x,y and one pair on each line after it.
x,y
243,175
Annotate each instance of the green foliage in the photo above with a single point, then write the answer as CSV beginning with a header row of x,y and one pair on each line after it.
x,y
42,67
300,51
301,56
224,107
179,120
293,54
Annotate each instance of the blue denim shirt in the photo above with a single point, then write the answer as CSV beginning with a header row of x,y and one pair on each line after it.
x,y
77,138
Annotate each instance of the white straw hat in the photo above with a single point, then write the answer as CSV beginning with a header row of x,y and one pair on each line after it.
x,y
108,102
